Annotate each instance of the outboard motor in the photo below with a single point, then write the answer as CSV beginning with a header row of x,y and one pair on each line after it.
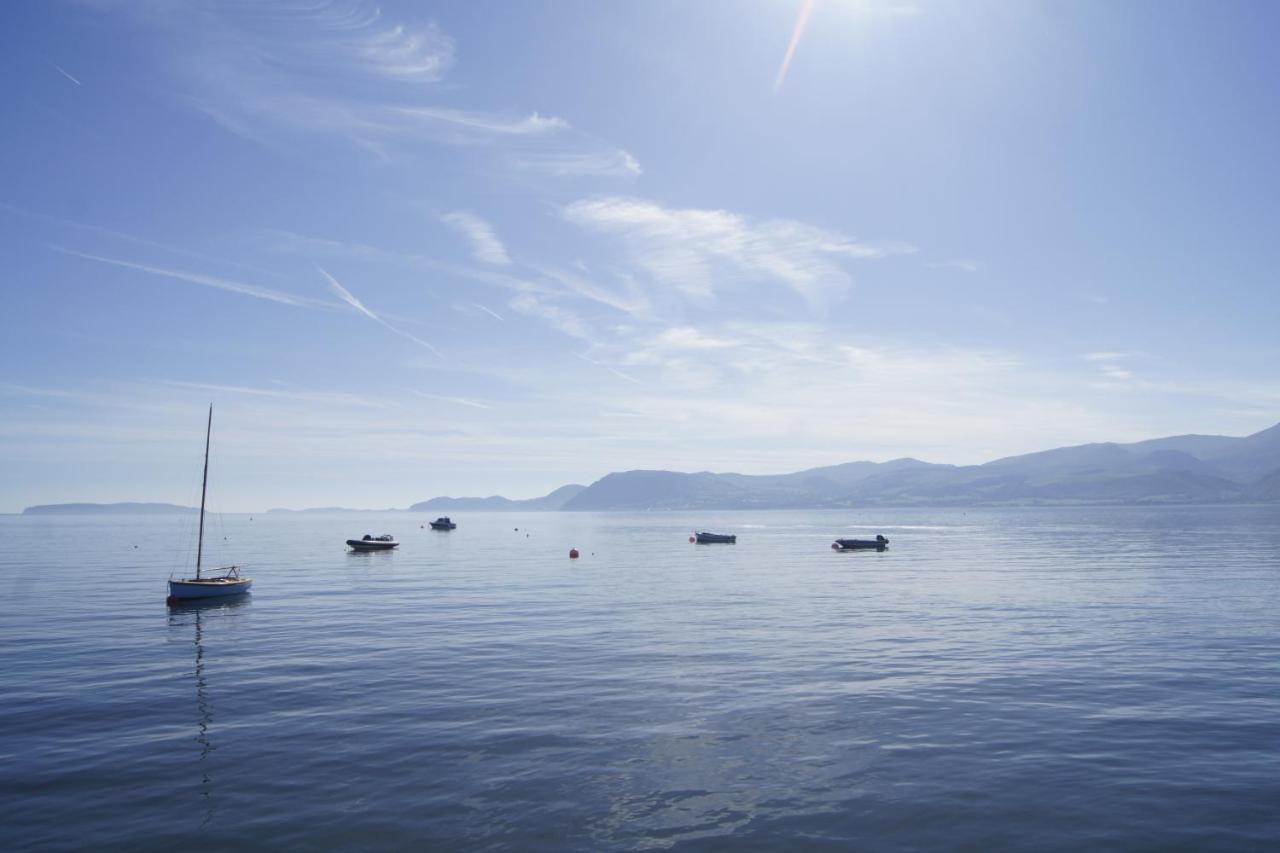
x,y
881,539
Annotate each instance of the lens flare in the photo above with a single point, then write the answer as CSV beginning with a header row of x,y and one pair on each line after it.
x,y
802,22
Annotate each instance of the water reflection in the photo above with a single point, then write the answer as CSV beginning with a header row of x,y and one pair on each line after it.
x,y
196,613
370,555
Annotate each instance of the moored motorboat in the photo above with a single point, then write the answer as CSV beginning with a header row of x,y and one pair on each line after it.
x,y
878,544
225,580
385,542
704,538
443,523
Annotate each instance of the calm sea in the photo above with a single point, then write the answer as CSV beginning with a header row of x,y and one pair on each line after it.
x,y
1048,679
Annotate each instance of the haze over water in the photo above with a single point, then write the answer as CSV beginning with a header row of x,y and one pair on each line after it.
x,y
1050,678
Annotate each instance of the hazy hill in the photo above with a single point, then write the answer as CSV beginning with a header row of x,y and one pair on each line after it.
x,y
1266,489
106,509
1250,458
553,501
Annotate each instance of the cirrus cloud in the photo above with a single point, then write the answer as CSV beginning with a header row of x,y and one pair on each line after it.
x,y
699,251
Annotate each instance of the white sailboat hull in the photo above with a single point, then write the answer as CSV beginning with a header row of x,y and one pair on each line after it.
x,y
208,588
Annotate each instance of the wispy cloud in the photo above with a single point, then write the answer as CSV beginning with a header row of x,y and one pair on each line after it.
x,y
1112,365
402,52
479,234
218,282
308,246
1120,374
605,161
347,72
461,401
347,297
626,296
563,319
699,251
57,393
350,38
691,339
328,397
486,123
62,222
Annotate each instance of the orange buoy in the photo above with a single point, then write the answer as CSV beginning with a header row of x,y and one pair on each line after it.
x,y
573,553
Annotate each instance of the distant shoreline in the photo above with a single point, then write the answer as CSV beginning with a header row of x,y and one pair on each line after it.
x,y
1180,470
48,510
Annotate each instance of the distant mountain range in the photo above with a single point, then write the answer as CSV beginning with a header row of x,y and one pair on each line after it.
x,y
1179,469
1176,470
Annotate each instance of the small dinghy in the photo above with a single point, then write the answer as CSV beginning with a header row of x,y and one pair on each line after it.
x,y
877,544
443,523
385,542
712,538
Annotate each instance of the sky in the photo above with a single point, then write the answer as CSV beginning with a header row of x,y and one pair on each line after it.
x,y
412,249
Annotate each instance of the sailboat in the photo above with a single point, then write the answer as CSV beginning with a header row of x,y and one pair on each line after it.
x,y
222,581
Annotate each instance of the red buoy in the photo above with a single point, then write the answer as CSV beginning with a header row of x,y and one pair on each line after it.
x,y
573,553
693,539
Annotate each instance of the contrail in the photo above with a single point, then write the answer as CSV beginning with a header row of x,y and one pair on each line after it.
x,y
199,278
64,73
802,22
612,370
350,299
489,311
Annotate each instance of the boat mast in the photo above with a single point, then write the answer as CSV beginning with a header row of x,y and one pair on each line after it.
x,y
204,484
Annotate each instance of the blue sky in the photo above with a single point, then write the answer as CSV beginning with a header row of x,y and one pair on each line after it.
x,y
413,249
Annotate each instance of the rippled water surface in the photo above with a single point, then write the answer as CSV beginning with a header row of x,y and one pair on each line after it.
x,y
1057,679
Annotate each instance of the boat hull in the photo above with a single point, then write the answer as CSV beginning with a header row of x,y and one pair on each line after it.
x,y
366,545
715,538
435,525
186,590
860,545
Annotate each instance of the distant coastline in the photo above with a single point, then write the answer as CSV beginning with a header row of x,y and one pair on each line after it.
x,y
1178,470
127,508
